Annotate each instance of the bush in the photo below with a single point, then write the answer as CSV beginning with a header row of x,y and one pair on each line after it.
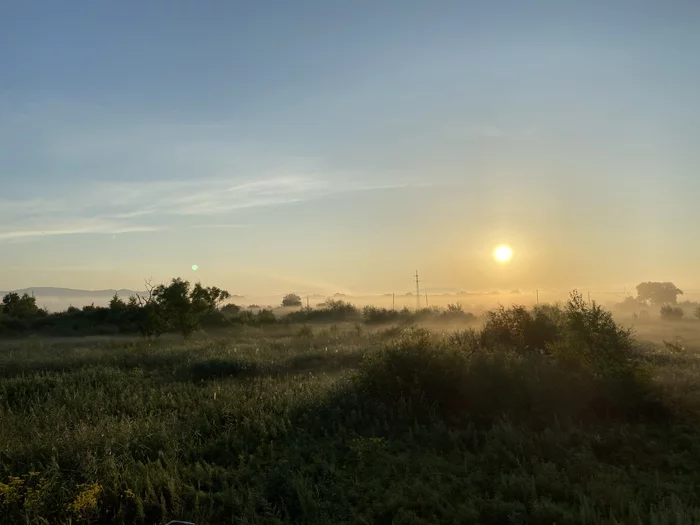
x,y
456,313
589,371
521,329
376,315
265,316
591,339
671,313
305,332
333,311
453,313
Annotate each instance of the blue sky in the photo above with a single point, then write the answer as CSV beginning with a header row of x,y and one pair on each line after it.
x,y
338,146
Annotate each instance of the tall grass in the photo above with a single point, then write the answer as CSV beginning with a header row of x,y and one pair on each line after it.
x,y
545,416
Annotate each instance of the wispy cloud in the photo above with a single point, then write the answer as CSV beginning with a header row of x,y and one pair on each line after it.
x,y
130,207
146,176
84,226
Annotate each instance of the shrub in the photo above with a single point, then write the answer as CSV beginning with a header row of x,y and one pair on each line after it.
x,y
265,316
334,311
593,340
376,315
671,313
454,313
588,373
520,329
305,332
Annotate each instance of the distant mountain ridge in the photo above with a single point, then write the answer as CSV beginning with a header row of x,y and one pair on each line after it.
x,y
51,291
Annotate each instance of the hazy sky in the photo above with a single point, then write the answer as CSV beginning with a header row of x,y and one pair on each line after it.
x,y
341,145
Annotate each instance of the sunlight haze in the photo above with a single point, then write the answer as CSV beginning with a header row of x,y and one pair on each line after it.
x,y
325,147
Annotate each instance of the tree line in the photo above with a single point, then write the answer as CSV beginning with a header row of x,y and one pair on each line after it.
x,y
180,307
177,306
659,294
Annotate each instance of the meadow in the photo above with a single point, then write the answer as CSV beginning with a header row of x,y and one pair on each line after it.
x,y
537,416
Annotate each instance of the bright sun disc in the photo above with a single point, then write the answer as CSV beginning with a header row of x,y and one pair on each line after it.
x,y
503,253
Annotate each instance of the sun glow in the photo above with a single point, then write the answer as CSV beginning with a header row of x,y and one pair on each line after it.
x,y
503,253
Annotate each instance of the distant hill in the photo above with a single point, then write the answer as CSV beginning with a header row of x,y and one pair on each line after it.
x,y
71,292
51,291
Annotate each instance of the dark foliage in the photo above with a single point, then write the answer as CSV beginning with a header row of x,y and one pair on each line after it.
x,y
431,428
671,313
291,299
658,293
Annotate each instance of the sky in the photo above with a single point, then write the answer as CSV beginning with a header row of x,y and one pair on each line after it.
x,y
339,146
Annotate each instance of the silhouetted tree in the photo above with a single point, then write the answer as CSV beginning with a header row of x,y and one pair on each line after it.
x,y
186,307
658,293
116,304
291,299
230,309
20,306
145,313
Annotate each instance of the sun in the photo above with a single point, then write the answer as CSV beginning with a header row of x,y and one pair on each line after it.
x,y
503,253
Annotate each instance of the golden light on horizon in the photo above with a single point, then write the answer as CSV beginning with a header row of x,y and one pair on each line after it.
x,y
503,253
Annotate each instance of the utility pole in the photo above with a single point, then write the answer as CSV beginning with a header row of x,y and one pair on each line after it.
x,y
417,292
393,301
307,302
426,300
538,296
589,298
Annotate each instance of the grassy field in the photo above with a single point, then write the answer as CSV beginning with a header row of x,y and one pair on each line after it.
x,y
337,424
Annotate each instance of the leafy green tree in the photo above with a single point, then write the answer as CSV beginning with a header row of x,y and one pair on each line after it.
x,y
291,299
20,306
658,293
184,307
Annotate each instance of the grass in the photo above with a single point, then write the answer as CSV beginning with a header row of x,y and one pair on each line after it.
x,y
342,425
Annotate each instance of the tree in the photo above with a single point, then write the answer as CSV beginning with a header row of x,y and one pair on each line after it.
x,y
184,307
21,307
144,311
231,309
658,293
697,312
116,304
291,299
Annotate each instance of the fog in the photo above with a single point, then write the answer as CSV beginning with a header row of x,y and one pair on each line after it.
x,y
476,302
